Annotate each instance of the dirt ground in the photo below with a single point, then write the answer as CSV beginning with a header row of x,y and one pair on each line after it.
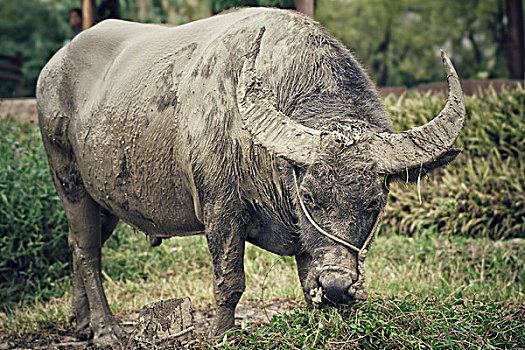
x,y
251,313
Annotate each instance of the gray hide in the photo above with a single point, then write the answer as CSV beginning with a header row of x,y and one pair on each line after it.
x,y
157,126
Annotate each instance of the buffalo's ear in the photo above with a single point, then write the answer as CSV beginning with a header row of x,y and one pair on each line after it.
x,y
411,175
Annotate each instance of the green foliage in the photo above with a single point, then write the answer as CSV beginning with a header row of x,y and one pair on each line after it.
x,y
222,5
482,193
399,41
167,11
36,29
33,228
391,323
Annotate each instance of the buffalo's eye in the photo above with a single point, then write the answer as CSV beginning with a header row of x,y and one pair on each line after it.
x,y
373,205
307,197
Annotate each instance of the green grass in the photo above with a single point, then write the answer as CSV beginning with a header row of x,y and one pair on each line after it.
x,y
482,193
33,246
427,292
391,323
423,289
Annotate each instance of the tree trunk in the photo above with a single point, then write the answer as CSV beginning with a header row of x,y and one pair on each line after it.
x,y
88,13
515,44
108,9
380,64
305,6
143,10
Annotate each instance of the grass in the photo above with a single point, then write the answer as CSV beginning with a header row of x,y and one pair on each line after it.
x,y
482,193
391,323
33,227
420,287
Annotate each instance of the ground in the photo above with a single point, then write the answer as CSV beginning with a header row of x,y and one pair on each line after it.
x,y
249,314
421,288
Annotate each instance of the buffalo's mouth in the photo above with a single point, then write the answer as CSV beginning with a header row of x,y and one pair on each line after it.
x,y
336,289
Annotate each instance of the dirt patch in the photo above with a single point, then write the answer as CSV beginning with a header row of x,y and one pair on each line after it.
x,y
22,110
60,337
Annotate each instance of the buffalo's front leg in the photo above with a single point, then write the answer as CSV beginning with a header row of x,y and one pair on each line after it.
x,y
226,237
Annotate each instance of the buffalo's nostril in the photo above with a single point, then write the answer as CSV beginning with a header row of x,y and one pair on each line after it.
x,y
335,290
358,293
361,295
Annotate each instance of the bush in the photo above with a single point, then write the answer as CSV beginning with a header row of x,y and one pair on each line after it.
x,y
33,226
36,29
482,192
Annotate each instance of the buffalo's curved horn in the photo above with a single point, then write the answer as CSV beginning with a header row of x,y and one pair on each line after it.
x,y
397,152
268,126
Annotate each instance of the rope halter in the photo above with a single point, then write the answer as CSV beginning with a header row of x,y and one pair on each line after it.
x,y
361,252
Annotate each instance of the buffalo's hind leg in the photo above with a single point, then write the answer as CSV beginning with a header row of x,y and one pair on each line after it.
x,y
85,240
80,306
79,311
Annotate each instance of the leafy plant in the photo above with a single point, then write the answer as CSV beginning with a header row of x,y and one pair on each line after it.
x,y
482,193
33,228
36,29
399,41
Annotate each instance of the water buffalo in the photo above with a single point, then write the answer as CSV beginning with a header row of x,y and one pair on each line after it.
x,y
254,125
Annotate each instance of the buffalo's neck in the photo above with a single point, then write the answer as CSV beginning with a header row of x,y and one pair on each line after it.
x,y
268,197
269,231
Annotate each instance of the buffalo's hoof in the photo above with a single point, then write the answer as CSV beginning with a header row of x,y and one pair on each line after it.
x,y
218,329
82,329
218,333
83,332
109,335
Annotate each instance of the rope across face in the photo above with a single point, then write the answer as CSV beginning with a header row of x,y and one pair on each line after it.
x,y
361,252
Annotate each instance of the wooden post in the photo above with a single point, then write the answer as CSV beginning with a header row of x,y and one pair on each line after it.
x,y
20,83
88,13
515,44
305,6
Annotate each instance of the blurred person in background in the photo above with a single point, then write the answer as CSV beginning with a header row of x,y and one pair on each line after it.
x,y
75,19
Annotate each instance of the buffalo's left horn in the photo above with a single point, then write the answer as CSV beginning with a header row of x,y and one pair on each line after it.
x,y
397,152
268,126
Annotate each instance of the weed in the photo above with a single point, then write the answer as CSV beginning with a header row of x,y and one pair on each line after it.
x,y
432,284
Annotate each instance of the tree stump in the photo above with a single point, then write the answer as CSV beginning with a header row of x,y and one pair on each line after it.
x,y
163,324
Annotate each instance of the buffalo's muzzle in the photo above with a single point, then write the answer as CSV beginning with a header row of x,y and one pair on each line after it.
x,y
335,288
335,291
